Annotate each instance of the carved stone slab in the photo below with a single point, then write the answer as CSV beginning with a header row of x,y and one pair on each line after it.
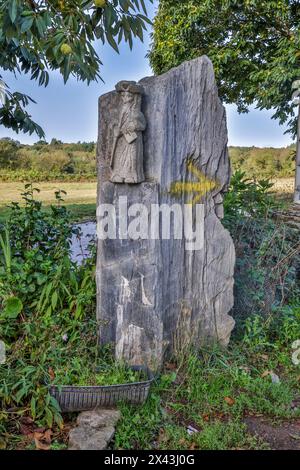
x,y
154,296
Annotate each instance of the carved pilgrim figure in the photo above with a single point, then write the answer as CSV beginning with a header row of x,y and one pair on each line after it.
x,y
127,150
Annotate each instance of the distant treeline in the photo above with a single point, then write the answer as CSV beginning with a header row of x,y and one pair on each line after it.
x,y
47,162
77,161
265,162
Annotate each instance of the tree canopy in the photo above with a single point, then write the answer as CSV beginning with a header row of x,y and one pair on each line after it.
x,y
254,46
38,36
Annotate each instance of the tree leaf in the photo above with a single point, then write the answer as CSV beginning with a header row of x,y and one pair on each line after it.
x,y
111,41
26,24
13,307
12,10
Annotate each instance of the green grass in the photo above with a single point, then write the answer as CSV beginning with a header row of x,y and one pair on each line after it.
x,y
213,396
100,369
76,192
80,197
231,435
81,212
213,390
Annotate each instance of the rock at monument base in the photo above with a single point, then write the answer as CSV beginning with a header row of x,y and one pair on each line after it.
x,y
95,429
154,296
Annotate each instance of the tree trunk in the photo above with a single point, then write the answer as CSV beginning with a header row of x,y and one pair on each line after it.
x,y
297,179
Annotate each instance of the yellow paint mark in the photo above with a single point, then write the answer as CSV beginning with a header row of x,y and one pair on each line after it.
x,y
199,188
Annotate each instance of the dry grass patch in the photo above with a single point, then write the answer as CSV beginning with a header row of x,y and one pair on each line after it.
x,y
77,193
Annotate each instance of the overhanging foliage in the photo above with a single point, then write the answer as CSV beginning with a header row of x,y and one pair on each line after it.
x,y
37,36
254,46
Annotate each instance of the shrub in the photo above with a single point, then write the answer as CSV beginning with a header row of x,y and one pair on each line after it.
x,y
8,154
47,306
264,162
47,162
265,275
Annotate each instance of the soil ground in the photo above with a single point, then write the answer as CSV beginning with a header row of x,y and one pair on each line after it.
x,y
284,436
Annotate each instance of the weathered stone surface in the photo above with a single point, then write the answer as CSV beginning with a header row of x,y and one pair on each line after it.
x,y
86,438
154,295
99,418
128,283
95,429
127,147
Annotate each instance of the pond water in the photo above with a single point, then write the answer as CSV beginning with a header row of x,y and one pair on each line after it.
x,y
80,245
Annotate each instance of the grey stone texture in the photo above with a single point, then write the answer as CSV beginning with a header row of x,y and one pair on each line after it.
x,y
95,429
127,147
154,296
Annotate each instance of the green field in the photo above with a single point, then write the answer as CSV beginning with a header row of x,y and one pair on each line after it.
x,y
72,168
80,197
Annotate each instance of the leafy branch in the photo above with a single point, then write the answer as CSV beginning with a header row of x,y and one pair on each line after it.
x,y
39,36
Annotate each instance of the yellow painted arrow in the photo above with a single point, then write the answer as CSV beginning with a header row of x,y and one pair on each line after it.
x,y
202,186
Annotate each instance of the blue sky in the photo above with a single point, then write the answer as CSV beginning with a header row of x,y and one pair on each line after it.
x,y
69,112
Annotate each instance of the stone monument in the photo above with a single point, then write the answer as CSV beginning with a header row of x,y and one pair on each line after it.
x,y
162,148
